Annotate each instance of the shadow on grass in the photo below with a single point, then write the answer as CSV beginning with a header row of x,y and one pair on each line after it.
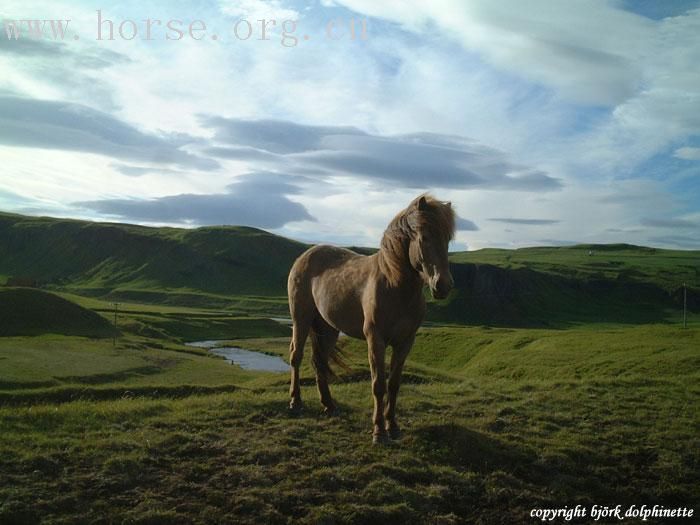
x,y
115,377
463,448
15,385
69,394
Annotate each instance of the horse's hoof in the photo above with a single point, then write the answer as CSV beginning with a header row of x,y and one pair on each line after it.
x,y
380,439
330,411
295,408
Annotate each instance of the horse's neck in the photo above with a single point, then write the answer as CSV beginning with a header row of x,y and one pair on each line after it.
x,y
398,271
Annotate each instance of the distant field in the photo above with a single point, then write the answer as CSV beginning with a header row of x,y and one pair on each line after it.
x,y
497,421
98,258
668,269
243,271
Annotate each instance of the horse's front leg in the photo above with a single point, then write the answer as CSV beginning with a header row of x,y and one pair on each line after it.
x,y
376,350
399,353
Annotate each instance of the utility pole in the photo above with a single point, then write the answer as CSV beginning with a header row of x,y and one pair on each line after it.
x,y
114,339
685,306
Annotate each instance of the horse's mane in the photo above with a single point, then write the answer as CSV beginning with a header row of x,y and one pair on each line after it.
x,y
434,218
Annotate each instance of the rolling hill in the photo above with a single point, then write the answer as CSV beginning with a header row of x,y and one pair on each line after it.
x,y
219,267
27,311
99,257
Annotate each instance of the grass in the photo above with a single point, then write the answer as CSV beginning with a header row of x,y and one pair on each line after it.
x,y
497,421
27,311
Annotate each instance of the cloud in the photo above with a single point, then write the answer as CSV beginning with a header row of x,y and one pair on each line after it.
x,y
418,160
275,136
526,222
11,200
623,230
555,242
90,57
138,171
48,124
687,153
669,223
27,47
683,241
589,53
256,199
258,9
465,225
50,69
243,153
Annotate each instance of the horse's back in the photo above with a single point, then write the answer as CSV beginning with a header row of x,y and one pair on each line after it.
x,y
319,259
328,280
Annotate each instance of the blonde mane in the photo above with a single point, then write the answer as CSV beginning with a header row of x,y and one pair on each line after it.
x,y
435,219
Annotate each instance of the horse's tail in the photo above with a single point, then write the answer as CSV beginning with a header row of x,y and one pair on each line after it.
x,y
323,354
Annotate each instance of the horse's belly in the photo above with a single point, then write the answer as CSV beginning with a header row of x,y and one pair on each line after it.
x,y
346,326
341,308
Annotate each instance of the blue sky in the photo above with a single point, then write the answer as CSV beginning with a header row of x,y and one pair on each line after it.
x,y
543,122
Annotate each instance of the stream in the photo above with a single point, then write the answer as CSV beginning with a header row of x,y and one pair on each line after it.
x,y
246,359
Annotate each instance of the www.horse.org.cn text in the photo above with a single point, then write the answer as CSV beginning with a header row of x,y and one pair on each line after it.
x,y
285,32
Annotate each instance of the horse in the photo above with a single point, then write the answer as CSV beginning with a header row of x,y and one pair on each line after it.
x,y
378,298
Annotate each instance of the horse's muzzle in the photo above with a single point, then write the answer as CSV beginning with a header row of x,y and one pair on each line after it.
x,y
441,287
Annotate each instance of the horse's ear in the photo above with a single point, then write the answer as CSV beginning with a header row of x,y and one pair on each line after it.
x,y
422,203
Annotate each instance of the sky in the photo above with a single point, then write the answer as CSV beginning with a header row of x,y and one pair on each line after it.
x,y
543,122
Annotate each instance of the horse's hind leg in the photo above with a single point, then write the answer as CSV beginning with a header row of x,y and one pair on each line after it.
x,y
399,353
323,340
300,331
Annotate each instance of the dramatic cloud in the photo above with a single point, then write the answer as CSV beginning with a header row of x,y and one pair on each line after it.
x,y
275,136
465,225
687,153
61,125
258,199
90,57
669,223
26,47
588,52
138,171
526,222
584,112
416,160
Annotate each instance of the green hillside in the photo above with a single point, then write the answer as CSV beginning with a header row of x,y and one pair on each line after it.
x,y
26,311
666,269
100,257
551,286
244,270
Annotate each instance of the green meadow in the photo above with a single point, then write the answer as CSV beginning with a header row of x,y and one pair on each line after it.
x,y
550,377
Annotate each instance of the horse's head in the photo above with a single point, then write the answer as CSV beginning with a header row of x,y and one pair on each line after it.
x,y
433,224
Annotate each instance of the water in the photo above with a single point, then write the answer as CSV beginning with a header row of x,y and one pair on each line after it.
x,y
282,320
246,359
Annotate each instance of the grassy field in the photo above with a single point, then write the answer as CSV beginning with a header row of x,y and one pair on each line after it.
x,y
497,421
550,377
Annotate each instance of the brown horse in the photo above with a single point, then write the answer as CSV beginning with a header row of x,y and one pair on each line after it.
x,y
378,298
